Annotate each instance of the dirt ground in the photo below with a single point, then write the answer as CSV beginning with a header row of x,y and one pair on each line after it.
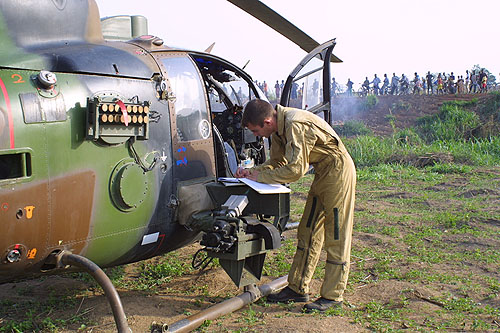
x,y
192,293
177,299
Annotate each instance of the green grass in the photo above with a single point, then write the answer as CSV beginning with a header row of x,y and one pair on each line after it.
x,y
369,151
451,123
154,274
352,128
278,263
418,226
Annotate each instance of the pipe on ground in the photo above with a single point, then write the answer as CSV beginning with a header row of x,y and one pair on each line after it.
x,y
111,294
291,225
249,296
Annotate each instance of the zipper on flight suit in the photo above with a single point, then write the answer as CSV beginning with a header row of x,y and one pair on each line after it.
x,y
311,214
336,224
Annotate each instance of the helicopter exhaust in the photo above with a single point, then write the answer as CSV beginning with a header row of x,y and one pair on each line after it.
x,y
65,258
252,293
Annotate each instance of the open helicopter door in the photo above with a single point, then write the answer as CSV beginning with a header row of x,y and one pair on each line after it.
x,y
308,85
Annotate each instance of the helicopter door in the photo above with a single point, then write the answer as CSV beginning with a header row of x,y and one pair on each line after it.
x,y
308,85
190,122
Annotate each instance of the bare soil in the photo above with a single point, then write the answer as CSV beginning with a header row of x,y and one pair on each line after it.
x,y
405,109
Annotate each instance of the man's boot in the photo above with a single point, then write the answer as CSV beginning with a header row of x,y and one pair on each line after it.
x,y
321,305
287,295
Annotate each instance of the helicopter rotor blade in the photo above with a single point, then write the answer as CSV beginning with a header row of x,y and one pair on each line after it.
x,y
277,22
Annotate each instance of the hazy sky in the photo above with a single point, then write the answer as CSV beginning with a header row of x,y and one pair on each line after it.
x,y
383,36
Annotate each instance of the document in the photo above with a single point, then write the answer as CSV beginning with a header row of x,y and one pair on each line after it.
x,y
259,187
229,181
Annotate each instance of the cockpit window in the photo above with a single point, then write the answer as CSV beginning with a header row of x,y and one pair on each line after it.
x,y
307,87
216,100
238,91
190,107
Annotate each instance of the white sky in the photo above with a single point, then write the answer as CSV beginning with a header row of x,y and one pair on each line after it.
x,y
373,37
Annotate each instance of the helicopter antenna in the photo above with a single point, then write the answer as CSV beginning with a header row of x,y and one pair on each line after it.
x,y
243,68
209,49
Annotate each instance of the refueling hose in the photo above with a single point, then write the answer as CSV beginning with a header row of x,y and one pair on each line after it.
x,y
103,280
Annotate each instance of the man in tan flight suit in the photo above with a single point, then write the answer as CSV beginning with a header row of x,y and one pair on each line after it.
x,y
299,139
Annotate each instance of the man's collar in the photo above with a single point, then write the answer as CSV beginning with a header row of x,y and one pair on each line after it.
x,y
280,115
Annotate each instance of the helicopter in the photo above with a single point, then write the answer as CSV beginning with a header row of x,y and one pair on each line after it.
x,y
112,143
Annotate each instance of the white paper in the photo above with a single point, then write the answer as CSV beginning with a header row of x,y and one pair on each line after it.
x,y
259,187
265,188
229,180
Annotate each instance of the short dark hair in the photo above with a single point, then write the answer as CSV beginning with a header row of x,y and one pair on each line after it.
x,y
256,111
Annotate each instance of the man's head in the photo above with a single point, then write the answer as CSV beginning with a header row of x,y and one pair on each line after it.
x,y
260,117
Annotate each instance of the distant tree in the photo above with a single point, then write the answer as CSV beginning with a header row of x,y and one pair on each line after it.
x,y
492,80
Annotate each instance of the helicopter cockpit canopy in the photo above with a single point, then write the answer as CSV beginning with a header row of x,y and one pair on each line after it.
x,y
236,85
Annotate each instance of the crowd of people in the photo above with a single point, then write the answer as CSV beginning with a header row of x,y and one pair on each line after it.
x,y
277,89
473,82
437,83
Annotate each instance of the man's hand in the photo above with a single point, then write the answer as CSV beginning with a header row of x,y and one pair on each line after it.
x,y
242,173
253,175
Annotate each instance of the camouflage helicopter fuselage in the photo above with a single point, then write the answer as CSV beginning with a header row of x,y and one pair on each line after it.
x,y
94,139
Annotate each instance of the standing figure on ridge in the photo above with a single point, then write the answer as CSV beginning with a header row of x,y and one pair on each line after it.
x,y
429,77
385,86
394,84
376,82
349,87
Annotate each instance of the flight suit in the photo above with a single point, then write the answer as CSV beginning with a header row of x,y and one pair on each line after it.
x,y
304,139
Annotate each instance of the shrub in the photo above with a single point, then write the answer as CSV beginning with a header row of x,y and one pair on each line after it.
x,y
370,102
450,124
472,102
407,136
369,150
400,105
